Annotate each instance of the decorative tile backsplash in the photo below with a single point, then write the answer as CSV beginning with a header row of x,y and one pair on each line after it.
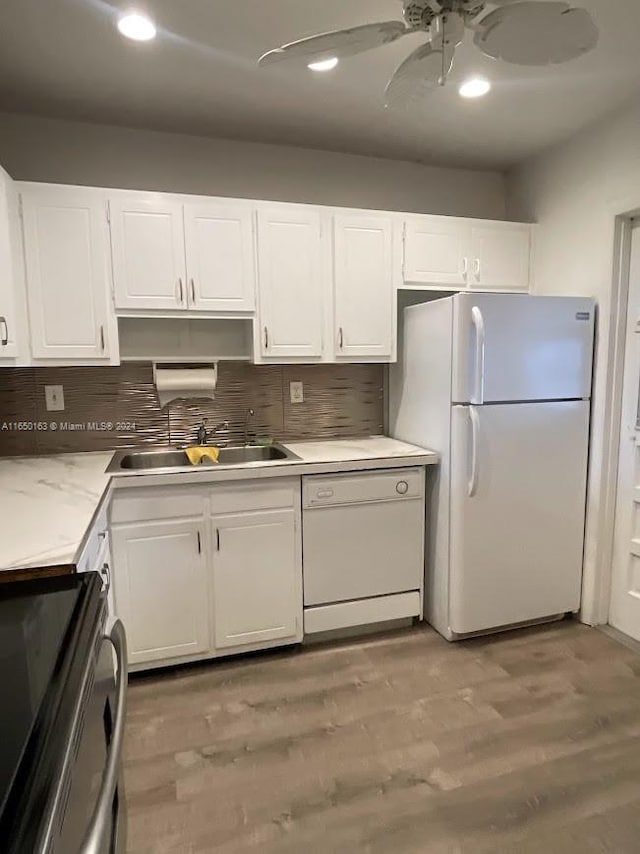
x,y
117,407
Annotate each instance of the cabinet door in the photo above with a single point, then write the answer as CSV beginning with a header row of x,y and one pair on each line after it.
x,y
501,254
256,578
291,283
147,236
67,264
161,588
220,257
8,319
436,251
364,293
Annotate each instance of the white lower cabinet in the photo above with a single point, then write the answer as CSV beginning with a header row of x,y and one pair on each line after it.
x,y
161,588
227,577
256,578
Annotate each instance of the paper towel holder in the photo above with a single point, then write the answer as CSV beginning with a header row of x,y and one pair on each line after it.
x,y
183,366
187,391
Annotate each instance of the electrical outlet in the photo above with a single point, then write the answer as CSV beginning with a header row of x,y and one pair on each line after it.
x,y
296,391
54,396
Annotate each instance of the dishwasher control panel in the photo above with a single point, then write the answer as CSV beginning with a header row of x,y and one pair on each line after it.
x,y
361,487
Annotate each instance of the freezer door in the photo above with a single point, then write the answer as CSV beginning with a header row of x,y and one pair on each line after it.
x,y
518,492
516,347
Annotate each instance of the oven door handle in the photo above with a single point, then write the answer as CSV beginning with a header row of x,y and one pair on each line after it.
x,y
100,827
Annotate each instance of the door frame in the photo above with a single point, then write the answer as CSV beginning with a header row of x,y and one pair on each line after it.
x,y
598,573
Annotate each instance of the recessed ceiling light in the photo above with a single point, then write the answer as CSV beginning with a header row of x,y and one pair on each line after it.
x,y
474,87
324,64
138,27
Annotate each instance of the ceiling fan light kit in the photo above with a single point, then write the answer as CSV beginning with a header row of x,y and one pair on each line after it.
x,y
520,32
474,87
324,64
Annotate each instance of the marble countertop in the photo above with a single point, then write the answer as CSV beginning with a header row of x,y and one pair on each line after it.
x,y
369,448
48,503
46,506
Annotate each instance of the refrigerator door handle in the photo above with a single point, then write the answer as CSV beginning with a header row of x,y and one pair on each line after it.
x,y
478,324
474,418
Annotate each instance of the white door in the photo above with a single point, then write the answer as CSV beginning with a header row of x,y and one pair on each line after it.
x,y
518,492
291,282
436,251
161,594
511,347
256,578
220,257
363,281
8,319
67,265
625,586
147,236
500,256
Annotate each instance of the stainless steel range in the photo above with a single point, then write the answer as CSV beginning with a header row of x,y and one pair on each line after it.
x,y
62,719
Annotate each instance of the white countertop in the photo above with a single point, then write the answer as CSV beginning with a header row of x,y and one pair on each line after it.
x,y
47,503
46,506
345,450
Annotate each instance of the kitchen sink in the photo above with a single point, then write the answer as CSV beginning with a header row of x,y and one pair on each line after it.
x,y
173,459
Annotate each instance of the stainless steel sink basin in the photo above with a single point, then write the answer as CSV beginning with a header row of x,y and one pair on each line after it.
x,y
251,454
173,459
160,459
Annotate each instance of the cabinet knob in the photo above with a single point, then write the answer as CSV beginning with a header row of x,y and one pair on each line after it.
x,y
402,487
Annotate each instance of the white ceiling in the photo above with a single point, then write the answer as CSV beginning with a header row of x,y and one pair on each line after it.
x,y
65,58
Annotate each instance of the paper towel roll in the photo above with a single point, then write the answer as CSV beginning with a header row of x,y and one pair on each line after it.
x,y
185,383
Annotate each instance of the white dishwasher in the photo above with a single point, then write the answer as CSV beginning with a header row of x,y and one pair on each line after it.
x,y
363,547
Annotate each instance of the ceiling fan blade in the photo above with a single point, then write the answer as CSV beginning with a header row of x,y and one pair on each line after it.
x,y
423,71
339,44
536,33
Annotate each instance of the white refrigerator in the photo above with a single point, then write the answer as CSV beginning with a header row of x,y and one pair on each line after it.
x,y
500,386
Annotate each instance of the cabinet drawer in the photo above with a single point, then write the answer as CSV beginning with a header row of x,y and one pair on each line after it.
x,y
254,495
350,488
139,505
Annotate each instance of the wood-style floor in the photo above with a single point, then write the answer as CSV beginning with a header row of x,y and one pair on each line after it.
x,y
524,742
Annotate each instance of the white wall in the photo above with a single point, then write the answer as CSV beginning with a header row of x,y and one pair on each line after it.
x,y
38,149
574,192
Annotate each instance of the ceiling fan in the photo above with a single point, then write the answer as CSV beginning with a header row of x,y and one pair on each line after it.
x,y
522,32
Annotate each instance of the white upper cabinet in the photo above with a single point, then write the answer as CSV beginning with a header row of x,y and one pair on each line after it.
x,y
292,282
8,316
501,253
67,267
149,268
363,286
436,251
256,578
456,254
220,257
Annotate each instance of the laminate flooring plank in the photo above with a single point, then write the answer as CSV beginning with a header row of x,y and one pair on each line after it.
x,y
526,741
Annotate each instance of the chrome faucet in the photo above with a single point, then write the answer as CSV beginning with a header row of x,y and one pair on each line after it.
x,y
203,436
249,414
